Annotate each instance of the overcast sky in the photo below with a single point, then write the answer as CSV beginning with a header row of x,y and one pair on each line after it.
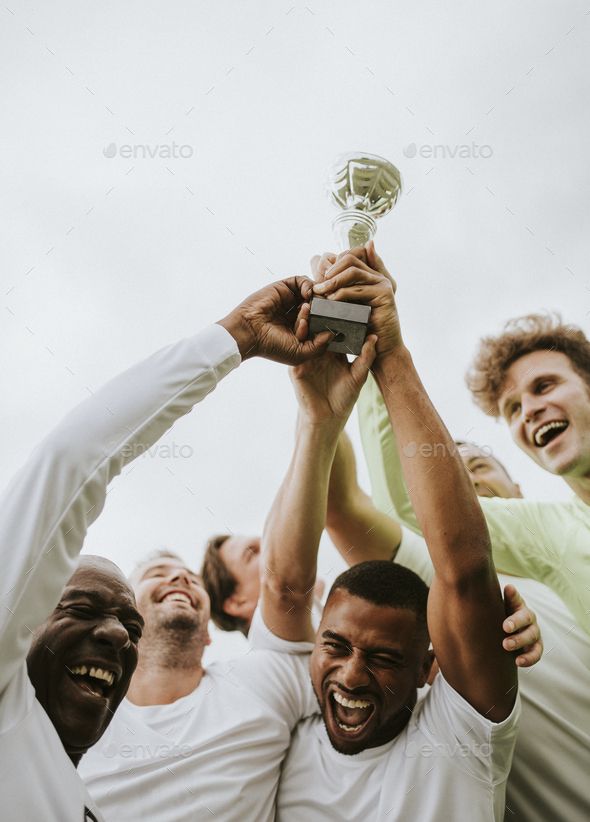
x,y
162,160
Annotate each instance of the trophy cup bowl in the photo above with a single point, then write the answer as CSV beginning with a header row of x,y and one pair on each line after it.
x,y
365,187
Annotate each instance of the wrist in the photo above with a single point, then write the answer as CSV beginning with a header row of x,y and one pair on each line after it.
x,y
325,431
242,333
391,366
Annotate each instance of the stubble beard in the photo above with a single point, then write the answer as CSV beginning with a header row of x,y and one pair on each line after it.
x,y
174,641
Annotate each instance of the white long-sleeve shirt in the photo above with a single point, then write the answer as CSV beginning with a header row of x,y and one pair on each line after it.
x,y
44,515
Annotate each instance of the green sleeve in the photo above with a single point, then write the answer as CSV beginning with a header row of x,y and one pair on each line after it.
x,y
546,541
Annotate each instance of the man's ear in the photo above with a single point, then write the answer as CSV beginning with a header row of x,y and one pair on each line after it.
x,y
429,669
234,606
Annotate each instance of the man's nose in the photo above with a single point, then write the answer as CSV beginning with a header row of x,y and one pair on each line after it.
x,y
181,575
354,673
111,631
532,406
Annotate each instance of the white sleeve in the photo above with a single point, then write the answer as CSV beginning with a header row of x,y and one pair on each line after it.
x,y
413,554
49,505
262,638
286,684
450,726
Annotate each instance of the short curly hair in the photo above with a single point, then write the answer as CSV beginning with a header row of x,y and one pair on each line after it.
x,y
533,332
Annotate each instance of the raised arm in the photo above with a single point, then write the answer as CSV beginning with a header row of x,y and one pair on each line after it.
x,y
48,507
465,604
358,529
326,392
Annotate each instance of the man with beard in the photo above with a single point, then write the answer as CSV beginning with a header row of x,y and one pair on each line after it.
x,y
190,742
82,641
536,377
377,751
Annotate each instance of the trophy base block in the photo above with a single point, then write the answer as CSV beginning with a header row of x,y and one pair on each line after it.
x,y
348,321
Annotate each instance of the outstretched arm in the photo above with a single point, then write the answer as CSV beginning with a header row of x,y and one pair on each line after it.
x,y
326,392
48,507
465,604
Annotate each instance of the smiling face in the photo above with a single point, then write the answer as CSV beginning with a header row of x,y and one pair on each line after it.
x,y
366,666
546,404
82,658
171,597
488,476
241,557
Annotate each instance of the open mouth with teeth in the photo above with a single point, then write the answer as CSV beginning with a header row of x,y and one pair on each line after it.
x,y
92,680
549,432
177,596
351,715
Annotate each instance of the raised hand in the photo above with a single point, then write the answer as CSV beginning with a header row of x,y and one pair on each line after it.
x,y
328,387
265,323
360,276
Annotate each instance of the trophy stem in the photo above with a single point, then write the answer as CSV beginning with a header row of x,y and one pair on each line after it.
x,y
353,228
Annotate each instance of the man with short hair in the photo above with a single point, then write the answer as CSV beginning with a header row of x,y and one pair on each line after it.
x,y
189,740
555,704
231,575
363,758
535,375
81,641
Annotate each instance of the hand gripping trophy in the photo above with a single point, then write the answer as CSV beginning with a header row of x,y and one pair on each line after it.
x,y
365,187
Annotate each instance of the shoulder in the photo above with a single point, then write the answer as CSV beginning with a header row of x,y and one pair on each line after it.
x,y
446,709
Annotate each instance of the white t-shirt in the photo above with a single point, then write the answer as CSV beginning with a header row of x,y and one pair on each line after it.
x,y
449,763
44,515
551,764
215,753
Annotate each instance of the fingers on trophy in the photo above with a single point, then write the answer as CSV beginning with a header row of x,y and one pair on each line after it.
x,y
365,187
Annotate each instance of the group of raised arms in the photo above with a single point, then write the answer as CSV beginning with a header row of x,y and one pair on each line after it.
x,y
415,688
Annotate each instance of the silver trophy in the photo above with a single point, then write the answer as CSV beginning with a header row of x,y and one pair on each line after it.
x,y
365,187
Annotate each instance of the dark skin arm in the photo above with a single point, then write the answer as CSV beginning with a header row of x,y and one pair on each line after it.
x,y
466,610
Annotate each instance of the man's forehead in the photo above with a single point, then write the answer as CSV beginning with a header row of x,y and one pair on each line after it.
x,y
99,582
236,546
364,623
470,451
530,367
166,564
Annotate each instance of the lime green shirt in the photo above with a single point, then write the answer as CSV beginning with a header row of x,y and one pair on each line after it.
x,y
546,541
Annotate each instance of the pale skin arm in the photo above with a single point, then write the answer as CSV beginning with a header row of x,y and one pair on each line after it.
x,y
466,610
326,392
356,527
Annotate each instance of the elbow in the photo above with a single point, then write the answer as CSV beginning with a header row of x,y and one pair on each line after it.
x,y
287,591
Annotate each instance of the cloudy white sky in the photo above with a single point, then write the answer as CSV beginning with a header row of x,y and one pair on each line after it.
x,y
163,160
